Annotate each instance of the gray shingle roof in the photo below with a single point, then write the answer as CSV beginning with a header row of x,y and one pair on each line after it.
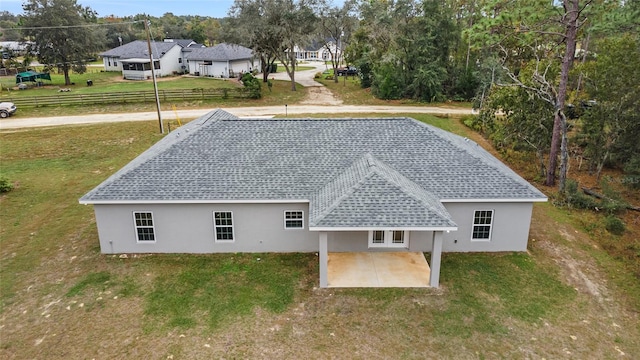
x,y
182,42
371,194
139,49
221,52
378,167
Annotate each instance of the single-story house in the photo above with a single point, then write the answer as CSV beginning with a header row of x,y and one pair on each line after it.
x,y
221,184
15,48
133,59
316,51
222,60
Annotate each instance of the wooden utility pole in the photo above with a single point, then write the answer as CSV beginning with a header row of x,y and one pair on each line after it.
x,y
153,75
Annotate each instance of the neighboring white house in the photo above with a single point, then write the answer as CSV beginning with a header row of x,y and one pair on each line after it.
x,y
132,59
222,60
18,48
316,51
221,184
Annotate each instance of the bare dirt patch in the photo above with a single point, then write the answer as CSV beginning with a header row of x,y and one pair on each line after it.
x,y
320,95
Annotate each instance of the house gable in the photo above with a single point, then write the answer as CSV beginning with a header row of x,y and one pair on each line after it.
x,y
370,195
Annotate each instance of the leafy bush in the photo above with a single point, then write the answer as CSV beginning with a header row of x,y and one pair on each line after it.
x,y
5,185
387,83
366,74
632,173
575,198
318,75
252,84
469,120
614,225
613,203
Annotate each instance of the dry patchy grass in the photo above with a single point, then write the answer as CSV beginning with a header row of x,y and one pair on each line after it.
x,y
62,299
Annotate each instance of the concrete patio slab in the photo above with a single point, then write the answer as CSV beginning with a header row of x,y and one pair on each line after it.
x,y
378,269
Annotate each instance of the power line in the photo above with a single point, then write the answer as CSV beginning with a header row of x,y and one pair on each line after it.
x,y
71,26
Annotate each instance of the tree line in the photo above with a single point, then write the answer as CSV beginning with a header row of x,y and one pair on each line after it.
x,y
554,78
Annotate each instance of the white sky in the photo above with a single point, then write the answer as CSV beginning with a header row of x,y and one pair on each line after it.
x,y
213,8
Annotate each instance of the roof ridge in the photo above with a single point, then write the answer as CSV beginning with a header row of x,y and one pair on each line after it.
x,y
365,167
409,187
170,140
355,168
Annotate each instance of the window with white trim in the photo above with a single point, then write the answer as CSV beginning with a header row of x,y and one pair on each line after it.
x,y
482,223
223,224
294,219
143,222
397,237
388,238
377,237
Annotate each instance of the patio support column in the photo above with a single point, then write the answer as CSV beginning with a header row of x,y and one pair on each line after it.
x,y
324,259
436,252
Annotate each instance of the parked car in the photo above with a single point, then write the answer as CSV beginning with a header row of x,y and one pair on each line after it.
x,y
7,109
347,71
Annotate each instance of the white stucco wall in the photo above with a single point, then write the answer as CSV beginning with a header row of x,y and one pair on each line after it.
x,y
169,61
111,64
189,228
510,230
221,68
216,69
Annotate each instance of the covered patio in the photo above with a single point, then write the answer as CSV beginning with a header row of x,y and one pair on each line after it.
x,y
377,269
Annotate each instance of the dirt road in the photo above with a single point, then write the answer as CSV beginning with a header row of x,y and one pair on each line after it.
x,y
319,100
258,111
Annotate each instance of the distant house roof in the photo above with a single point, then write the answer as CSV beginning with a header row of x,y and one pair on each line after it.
x,y
388,172
221,52
182,42
139,49
14,45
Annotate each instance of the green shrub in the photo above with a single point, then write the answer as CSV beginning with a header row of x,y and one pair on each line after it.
x,y
574,198
252,84
5,185
614,225
632,172
613,203
468,120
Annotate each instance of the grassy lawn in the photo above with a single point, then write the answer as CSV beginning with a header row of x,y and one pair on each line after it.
x,y
61,299
280,93
349,90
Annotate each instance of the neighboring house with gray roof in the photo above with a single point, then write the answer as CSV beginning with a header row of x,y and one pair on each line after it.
x,y
316,50
221,184
222,60
132,59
